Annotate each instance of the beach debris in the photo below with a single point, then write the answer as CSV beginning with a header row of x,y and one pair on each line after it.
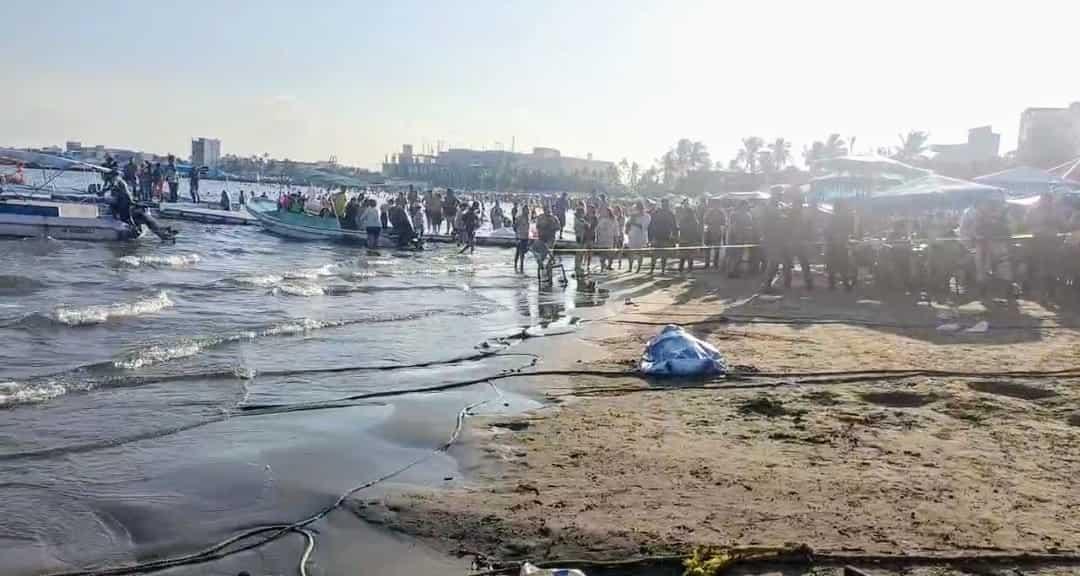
x,y
706,562
768,406
980,327
528,569
675,352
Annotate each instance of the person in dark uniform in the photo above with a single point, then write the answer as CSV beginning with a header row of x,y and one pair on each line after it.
x,y
774,238
837,237
801,225
663,230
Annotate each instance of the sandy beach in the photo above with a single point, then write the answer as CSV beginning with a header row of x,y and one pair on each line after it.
x,y
623,468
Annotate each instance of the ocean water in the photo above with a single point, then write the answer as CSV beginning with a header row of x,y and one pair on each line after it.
x,y
122,367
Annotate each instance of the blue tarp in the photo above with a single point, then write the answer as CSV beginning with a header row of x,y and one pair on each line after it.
x,y
675,352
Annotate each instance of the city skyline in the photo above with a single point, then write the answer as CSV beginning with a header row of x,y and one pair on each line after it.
x,y
357,80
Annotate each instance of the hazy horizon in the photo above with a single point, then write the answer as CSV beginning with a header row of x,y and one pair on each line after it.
x,y
625,79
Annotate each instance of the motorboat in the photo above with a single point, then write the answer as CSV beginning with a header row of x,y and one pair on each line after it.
x,y
24,218
307,226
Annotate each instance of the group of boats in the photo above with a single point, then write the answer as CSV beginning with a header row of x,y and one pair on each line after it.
x,y
70,214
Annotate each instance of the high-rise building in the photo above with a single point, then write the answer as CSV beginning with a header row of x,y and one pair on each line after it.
x,y
205,152
1049,136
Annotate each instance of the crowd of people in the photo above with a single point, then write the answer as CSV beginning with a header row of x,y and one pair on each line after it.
x,y
151,181
772,238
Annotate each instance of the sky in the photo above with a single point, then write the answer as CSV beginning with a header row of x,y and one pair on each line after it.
x,y
614,78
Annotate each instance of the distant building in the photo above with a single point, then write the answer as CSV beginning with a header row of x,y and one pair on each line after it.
x,y
73,146
407,164
1049,136
976,156
205,152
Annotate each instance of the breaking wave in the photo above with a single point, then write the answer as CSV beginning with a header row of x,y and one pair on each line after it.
x,y
258,280
300,289
171,261
14,393
161,353
103,313
312,273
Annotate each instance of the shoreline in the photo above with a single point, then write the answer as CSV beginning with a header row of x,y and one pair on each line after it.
x,y
623,468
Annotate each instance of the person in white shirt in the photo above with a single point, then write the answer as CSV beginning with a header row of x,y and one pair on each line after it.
x,y
606,230
637,233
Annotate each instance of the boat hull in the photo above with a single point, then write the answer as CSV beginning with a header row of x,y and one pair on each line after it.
x,y
307,227
91,229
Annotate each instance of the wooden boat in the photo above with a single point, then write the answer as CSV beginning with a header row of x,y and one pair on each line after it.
x,y
201,213
61,221
304,226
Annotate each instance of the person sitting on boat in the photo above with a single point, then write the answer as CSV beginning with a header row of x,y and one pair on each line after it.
x,y
226,201
351,213
19,177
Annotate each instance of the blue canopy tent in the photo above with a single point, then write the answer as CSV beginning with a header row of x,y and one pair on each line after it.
x,y
934,191
1026,181
859,175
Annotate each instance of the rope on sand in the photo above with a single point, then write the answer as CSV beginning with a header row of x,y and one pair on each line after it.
x,y
221,549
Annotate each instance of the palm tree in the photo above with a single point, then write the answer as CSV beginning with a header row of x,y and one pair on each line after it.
x,y
699,157
635,171
913,145
780,152
765,160
835,146
814,153
668,165
748,156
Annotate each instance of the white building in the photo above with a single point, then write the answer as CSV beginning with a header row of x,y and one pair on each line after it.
x,y
205,152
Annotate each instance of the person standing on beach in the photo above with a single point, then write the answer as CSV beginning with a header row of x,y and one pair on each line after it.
x,y
371,223
521,232
689,233
547,228
450,209
774,239
173,179
837,239
193,184
470,221
416,214
801,227
606,230
663,231
715,224
637,234
158,179
739,233
562,206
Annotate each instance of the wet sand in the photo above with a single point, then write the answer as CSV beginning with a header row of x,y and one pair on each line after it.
x,y
623,468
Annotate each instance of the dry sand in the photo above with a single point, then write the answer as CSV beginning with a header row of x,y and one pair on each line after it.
x,y
623,468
